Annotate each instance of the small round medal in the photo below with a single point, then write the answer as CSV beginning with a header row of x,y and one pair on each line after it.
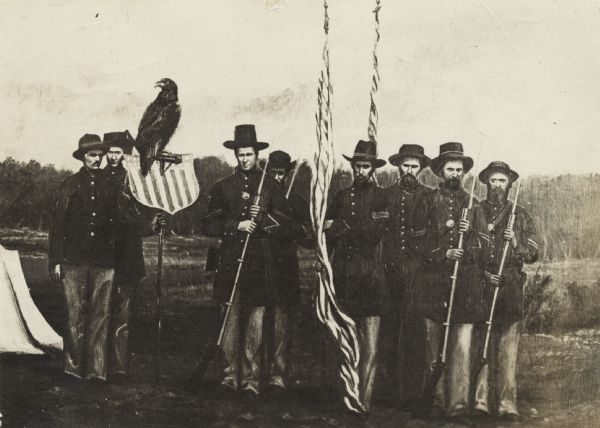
x,y
450,224
245,196
490,227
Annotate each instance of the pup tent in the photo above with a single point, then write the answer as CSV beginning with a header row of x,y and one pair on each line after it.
x,y
23,329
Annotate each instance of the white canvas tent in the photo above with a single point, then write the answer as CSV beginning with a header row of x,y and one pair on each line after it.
x,y
23,329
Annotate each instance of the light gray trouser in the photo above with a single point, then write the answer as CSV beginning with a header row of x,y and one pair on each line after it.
x,y
251,344
88,292
504,347
123,300
368,336
452,391
282,335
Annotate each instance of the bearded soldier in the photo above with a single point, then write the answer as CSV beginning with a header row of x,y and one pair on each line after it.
x,y
129,259
232,215
437,226
499,178
284,245
355,227
402,329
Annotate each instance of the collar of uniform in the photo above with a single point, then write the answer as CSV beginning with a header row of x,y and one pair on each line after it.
x,y
363,186
250,173
87,173
497,205
116,170
407,189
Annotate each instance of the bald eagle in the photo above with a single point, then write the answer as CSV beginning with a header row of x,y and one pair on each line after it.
x,y
158,124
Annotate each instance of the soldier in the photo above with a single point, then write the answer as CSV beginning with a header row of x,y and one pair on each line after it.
x,y
286,272
129,260
402,330
498,177
230,215
354,232
82,254
436,233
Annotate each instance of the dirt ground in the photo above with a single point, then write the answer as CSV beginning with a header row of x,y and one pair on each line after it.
x,y
558,380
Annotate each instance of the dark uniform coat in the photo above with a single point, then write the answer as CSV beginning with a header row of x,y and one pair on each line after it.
x,y
83,229
284,247
229,204
129,261
89,210
354,240
509,307
436,230
401,261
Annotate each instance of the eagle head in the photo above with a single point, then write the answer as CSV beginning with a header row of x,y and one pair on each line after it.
x,y
168,89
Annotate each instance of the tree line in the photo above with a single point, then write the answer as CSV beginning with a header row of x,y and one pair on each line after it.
x,y
564,208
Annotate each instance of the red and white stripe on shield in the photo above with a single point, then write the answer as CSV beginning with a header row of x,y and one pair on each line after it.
x,y
177,188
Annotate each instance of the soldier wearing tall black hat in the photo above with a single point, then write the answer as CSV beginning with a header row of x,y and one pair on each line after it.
x,y
524,248
284,246
355,225
436,235
88,212
402,327
230,215
129,260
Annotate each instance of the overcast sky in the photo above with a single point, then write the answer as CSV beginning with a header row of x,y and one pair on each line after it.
x,y
521,77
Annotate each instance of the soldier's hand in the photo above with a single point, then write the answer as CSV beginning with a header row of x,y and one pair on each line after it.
x,y
492,278
327,224
319,268
56,273
159,221
254,210
509,235
247,226
455,254
463,226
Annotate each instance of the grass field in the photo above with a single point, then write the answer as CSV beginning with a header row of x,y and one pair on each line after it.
x,y
558,378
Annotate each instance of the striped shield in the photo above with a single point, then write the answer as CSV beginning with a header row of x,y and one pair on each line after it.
x,y
177,189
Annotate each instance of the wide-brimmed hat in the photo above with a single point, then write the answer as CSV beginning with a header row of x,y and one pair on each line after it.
x,y
410,151
86,143
498,166
366,151
280,159
449,152
245,136
124,140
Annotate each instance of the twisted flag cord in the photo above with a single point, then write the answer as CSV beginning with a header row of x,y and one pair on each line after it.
x,y
373,115
341,326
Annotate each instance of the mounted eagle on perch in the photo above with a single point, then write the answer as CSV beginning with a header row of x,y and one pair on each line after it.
x,y
157,126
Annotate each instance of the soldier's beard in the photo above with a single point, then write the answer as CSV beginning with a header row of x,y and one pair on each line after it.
x,y
361,179
496,195
408,180
453,183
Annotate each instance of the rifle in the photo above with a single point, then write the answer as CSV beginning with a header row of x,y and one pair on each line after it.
x,y
289,190
483,369
212,348
437,367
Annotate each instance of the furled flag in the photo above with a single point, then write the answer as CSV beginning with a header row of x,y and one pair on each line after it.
x,y
171,192
341,326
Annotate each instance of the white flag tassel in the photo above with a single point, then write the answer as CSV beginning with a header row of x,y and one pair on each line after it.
x,y
341,326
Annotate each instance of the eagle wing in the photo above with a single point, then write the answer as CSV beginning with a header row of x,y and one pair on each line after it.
x,y
155,131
